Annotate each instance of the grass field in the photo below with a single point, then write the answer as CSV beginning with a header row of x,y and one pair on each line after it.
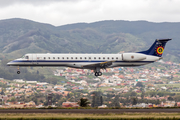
x,y
109,116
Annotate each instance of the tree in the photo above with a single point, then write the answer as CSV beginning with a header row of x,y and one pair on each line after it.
x,y
2,92
142,95
139,84
83,102
101,100
158,102
133,93
93,101
170,99
134,101
175,104
13,99
116,101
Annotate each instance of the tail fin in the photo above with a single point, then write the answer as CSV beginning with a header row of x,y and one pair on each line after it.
x,y
157,48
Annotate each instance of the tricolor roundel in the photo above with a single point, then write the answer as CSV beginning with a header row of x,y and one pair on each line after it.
x,y
159,50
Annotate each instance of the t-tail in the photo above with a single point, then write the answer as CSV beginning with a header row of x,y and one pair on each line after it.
x,y
157,48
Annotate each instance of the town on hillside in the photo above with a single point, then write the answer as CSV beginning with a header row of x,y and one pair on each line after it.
x,y
155,85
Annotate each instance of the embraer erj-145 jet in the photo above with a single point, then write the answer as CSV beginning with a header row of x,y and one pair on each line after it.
x,y
94,61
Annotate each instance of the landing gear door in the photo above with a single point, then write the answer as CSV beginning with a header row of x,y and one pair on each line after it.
x,y
34,61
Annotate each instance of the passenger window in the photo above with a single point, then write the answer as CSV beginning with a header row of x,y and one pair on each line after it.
x,y
76,58
67,58
89,57
62,57
58,57
71,57
116,57
53,57
27,57
94,57
84,57
103,57
80,57
108,58
44,57
49,58
99,57
112,58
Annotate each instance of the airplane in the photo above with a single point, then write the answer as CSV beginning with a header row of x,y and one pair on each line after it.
x,y
94,62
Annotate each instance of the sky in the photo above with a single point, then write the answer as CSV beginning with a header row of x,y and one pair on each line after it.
x,y
62,12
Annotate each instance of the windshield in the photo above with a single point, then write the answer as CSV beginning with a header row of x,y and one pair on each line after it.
x,y
25,57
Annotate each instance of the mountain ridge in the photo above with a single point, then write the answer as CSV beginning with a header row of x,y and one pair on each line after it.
x,y
20,36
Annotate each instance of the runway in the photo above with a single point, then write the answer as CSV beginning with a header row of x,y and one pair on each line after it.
x,y
89,111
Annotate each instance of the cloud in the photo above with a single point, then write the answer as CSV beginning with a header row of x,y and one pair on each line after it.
x,y
60,12
4,3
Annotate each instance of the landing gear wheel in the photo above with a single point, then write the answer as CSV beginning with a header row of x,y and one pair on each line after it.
x,y
100,73
97,71
96,74
18,72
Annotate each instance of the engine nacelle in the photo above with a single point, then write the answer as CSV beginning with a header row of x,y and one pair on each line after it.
x,y
133,56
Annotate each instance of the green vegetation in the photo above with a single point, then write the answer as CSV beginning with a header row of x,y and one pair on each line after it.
x,y
73,116
29,74
19,36
83,102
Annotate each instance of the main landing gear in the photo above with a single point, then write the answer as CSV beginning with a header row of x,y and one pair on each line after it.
x,y
18,70
97,72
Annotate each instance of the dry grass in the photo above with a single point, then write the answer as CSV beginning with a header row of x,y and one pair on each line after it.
x,y
89,116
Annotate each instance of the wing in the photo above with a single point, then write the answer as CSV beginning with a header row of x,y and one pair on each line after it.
x,y
101,65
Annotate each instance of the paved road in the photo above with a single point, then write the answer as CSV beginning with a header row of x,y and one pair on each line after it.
x,y
85,111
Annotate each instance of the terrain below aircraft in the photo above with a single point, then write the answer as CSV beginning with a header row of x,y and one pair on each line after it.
x,y
93,61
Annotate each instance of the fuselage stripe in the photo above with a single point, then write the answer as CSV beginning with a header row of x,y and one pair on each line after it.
x,y
74,61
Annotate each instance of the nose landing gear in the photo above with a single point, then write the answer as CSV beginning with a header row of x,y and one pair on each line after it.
x,y
18,70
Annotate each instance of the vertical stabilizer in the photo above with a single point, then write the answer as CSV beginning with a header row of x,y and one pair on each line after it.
x,y
157,48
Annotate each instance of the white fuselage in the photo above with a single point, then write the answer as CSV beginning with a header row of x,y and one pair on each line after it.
x,y
81,60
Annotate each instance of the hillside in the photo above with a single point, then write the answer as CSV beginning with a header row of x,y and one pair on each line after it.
x,y
20,36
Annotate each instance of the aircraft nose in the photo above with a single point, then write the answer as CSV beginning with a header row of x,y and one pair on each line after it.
x,y
9,63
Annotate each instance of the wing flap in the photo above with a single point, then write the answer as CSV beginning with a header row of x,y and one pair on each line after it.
x,y
101,65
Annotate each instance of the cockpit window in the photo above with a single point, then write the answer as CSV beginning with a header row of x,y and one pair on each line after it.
x,y
27,57
23,56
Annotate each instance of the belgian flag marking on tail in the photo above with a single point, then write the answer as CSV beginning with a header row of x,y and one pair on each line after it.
x,y
159,50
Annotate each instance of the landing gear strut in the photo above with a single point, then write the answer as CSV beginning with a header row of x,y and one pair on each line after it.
x,y
18,71
97,72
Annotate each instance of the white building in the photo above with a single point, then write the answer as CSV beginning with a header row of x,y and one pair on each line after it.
x,y
19,80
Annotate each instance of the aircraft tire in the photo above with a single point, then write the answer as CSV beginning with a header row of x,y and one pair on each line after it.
x,y
96,74
100,73
18,72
